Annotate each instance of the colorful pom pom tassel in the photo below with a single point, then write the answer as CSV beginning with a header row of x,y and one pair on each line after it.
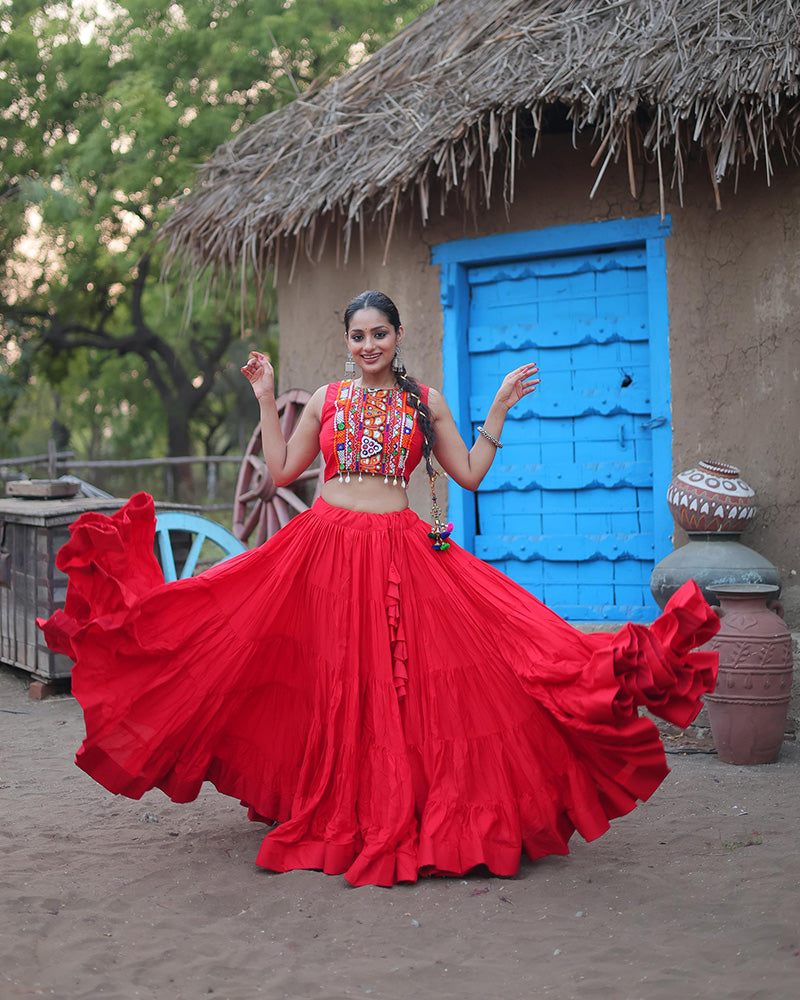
x,y
440,531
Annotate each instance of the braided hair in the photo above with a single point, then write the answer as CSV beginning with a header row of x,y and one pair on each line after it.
x,y
409,385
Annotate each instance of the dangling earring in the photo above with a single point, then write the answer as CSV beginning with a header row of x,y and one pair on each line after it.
x,y
397,362
349,367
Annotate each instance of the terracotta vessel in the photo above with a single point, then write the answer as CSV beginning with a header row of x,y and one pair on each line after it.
x,y
713,504
748,707
712,497
711,559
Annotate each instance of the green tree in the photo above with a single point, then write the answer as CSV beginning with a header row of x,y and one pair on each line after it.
x,y
105,110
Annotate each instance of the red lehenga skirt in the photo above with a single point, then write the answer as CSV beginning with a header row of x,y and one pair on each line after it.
x,y
397,711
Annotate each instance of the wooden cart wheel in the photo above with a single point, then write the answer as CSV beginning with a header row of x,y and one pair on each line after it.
x,y
259,505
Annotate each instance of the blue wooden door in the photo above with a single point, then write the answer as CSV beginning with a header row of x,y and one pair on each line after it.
x,y
567,509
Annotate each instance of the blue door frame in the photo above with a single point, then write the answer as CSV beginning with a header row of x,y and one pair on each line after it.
x,y
456,258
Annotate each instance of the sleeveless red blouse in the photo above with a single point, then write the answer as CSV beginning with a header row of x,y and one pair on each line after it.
x,y
372,432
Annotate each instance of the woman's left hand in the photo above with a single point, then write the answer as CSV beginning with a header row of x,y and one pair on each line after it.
x,y
517,384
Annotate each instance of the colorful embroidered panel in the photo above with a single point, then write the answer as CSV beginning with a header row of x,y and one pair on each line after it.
x,y
372,431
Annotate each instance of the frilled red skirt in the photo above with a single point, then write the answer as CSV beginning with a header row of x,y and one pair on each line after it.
x,y
398,711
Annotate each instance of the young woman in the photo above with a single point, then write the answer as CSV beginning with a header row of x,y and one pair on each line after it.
x,y
397,707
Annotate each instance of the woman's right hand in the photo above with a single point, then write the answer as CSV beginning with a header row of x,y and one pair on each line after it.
x,y
260,374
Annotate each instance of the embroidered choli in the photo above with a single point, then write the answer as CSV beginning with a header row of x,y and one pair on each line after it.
x,y
369,432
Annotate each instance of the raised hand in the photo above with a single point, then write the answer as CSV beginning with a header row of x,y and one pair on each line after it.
x,y
260,374
517,384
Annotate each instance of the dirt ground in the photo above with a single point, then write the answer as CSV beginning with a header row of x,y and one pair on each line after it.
x,y
694,894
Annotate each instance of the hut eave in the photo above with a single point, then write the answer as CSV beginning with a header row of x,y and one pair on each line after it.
x,y
677,73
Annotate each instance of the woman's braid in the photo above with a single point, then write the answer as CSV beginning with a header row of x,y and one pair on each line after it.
x,y
412,388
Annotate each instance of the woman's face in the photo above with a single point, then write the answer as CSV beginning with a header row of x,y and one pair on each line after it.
x,y
372,340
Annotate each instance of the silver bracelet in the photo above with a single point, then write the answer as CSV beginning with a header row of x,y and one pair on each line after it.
x,y
489,437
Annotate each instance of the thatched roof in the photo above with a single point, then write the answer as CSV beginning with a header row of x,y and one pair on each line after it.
x,y
446,104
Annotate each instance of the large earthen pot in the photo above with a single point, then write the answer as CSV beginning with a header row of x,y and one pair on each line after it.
x,y
711,560
713,504
747,709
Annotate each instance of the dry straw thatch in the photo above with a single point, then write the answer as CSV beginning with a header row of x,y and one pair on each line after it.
x,y
449,102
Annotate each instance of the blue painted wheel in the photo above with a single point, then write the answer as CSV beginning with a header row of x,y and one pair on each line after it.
x,y
174,527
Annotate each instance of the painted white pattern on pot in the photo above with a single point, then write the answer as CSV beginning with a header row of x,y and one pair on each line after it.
x,y
712,498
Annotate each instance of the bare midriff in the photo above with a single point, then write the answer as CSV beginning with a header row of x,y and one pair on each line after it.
x,y
372,495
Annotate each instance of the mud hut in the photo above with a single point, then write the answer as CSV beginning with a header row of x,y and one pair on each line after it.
x,y
610,186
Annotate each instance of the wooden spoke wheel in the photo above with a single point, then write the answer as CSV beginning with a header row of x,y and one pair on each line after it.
x,y
181,537
260,506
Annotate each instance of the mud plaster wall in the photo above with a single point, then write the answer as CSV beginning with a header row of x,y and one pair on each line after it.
x,y
734,304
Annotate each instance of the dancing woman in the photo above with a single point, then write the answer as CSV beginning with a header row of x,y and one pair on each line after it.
x,y
393,705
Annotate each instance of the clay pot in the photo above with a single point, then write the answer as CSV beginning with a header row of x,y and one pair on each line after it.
x,y
748,707
712,503
712,497
711,559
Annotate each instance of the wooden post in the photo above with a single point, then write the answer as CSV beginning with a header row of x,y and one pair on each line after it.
x,y
52,459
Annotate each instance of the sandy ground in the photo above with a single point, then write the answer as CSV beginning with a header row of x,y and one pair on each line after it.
x,y
694,894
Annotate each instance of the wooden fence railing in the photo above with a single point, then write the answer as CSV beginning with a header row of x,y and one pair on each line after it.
x,y
57,463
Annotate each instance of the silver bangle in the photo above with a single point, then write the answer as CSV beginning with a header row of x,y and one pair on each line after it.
x,y
488,436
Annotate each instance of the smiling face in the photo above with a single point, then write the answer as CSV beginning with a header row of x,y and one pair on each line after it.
x,y
372,341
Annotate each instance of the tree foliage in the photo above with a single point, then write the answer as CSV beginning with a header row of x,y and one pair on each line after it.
x,y
105,110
